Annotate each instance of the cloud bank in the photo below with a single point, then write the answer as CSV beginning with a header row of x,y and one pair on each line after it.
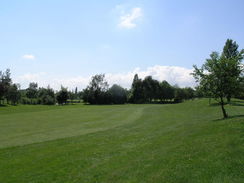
x,y
173,74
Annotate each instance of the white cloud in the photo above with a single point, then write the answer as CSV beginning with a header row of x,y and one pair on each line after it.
x,y
128,20
29,57
172,74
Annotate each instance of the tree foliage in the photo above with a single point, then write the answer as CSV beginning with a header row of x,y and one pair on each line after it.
x,y
32,91
118,95
5,83
46,96
220,76
62,96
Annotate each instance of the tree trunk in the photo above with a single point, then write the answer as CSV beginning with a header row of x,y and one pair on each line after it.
x,y
223,109
228,98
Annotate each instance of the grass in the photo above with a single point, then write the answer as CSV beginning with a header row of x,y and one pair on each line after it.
x,y
178,143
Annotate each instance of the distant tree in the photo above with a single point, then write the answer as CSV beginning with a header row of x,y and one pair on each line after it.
x,y
13,95
76,93
31,91
179,94
80,95
62,96
166,91
118,94
97,91
240,94
46,96
214,77
72,96
5,82
137,94
231,53
150,88
189,93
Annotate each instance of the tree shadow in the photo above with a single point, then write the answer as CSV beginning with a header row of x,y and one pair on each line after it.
x,y
237,103
240,101
230,117
3,105
214,104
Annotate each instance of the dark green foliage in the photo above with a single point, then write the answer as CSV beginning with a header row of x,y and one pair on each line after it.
x,y
5,82
32,91
118,94
13,94
97,91
137,92
46,96
179,95
240,93
166,91
150,90
62,96
234,57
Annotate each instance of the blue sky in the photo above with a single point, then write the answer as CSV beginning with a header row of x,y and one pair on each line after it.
x,y
66,41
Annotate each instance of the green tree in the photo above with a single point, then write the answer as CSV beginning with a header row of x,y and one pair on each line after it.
x,y
13,95
150,88
118,94
166,91
72,96
62,96
5,83
214,77
230,52
97,91
46,96
32,91
137,94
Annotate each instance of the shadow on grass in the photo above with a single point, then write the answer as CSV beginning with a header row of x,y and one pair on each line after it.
x,y
3,105
214,104
230,117
240,101
237,103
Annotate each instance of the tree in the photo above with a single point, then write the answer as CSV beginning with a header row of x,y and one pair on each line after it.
x,y
5,82
150,88
179,94
13,95
215,79
189,93
230,51
118,94
166,91
72,96
46,96
31,91
62,96
137,94
97,91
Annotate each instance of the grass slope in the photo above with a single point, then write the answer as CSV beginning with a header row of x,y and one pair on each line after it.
x,y
185,142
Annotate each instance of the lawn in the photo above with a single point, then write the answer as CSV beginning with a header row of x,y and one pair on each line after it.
x,y
178,143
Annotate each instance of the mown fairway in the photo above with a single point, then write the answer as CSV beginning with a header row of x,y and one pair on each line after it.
x,y
186,142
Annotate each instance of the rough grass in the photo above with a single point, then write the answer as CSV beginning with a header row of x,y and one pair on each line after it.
x,y
186,142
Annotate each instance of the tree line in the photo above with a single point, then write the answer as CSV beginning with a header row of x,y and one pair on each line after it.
x,y
98,91
147,90
221,77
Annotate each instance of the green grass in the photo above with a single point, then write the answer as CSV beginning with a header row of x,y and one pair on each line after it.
x,y
178,143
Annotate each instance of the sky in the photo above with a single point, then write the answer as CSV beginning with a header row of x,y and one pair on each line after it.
x,y
65,42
